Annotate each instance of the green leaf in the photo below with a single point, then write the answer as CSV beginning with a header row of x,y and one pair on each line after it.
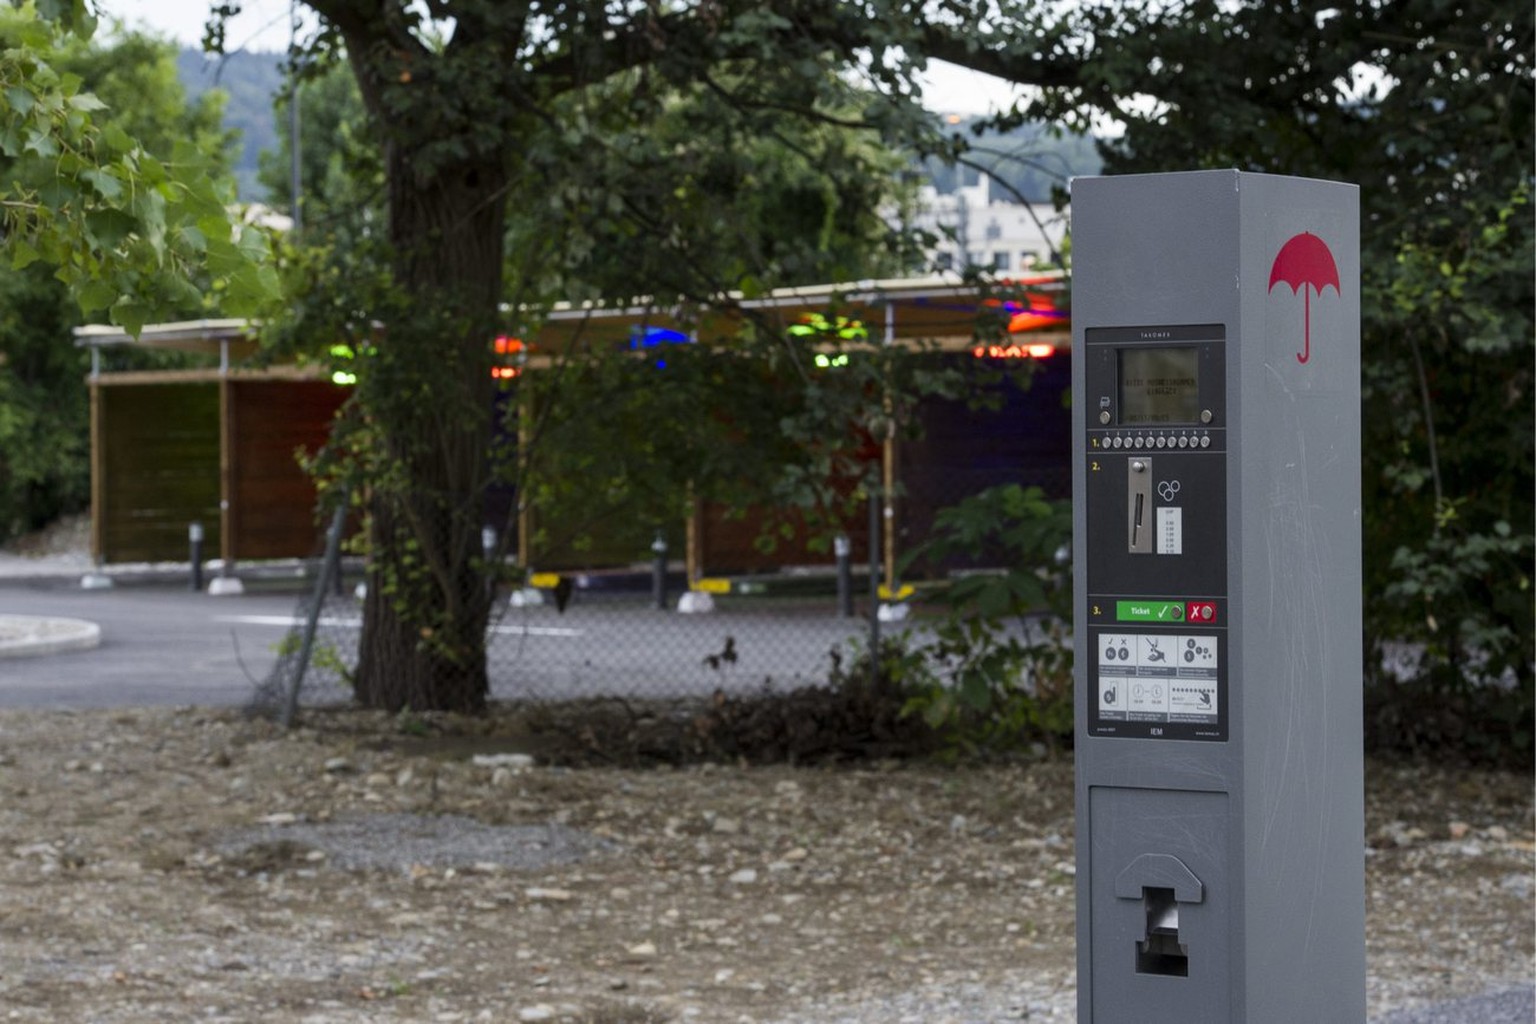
x,y
130,315
116,139
20,100
41,143
22,254
105,183
107,228
974,692
95,295
86,102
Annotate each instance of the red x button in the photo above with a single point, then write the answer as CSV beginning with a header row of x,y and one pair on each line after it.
x,y
1201,612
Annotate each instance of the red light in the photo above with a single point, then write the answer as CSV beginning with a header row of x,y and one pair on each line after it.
x,y
508,346
1034,319
505,372
1035,312
1036,351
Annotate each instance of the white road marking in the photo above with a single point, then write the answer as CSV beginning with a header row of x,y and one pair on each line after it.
x,y
290,622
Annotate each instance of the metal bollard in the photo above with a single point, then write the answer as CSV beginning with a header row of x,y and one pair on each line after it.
x,y
659,571
488,549
874,589
195,555
842,547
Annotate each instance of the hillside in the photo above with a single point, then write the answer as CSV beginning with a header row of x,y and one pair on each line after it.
x,y
250,80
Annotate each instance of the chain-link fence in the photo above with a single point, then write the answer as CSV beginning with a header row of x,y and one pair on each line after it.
x,y
614,644
620,631
628,633
616,633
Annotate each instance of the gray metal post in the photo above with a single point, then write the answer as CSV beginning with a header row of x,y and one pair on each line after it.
x,y
659,571
295,164
1217,596
488,551
195,555
842,548
874,586
330,564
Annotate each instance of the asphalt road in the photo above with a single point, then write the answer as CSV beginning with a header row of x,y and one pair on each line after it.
x,y
159,646
163,645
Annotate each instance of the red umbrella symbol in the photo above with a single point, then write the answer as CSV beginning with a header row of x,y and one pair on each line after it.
x,y
1304,262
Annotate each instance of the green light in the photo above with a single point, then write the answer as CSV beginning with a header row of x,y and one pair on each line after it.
x,y
342,378
815,323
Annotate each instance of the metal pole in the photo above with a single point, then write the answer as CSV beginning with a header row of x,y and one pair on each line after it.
x,y
312,620
195,556
659,571
842,547
488,548
294,182
874,588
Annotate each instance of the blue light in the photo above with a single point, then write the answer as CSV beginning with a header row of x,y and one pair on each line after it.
x,y
650,337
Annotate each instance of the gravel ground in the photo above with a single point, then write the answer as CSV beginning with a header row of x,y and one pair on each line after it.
x,y
194,865
1506,1006
62,549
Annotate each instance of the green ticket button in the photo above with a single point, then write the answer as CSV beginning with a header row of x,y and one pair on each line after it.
x,y
1149,611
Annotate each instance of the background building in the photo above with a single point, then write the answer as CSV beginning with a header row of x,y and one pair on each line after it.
x,y
977,228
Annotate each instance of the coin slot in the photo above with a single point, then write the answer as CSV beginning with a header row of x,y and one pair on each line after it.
x,y
1138,501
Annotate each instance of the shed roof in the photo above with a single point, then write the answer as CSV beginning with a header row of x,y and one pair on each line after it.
x,y
941,307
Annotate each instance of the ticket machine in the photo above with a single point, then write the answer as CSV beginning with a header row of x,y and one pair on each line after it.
x,y
1216,412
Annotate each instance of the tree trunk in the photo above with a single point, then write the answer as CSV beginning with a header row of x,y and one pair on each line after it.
x,y
423,646
427,397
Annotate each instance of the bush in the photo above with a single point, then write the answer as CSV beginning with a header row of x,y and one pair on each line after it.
x,y
999,675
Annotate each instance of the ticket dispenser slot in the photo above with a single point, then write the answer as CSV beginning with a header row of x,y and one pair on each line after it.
x,y
1161,883
1161,952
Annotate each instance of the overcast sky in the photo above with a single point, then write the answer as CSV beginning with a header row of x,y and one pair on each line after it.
x,y
263,25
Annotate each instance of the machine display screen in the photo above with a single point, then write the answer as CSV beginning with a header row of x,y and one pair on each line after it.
x,y
1159,385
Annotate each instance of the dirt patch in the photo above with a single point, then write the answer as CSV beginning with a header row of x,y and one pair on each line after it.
x,y
408,842
186,864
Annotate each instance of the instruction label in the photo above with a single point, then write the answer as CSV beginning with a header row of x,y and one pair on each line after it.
x,y
1158,677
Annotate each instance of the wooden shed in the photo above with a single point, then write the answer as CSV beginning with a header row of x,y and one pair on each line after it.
x,y
215,445
940,313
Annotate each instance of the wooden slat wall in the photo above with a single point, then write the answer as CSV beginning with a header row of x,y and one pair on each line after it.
x,y
964,450
609,540
728,544
159,470
273,500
